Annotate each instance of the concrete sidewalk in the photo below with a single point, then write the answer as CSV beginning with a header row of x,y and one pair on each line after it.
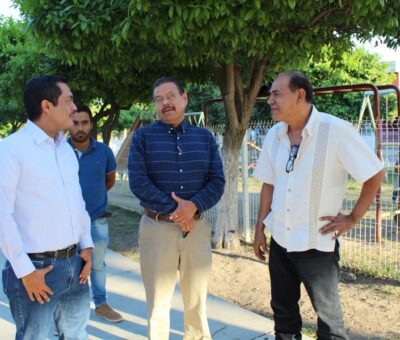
x,y
126,294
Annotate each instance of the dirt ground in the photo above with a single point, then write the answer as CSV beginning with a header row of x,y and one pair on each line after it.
x,y
371,306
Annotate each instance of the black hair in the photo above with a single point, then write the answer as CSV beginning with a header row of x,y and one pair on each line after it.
x,y
298,80
163,80
84,108
39,89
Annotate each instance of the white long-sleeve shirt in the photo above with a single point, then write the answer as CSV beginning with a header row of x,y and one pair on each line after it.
x,y
330,150
41,204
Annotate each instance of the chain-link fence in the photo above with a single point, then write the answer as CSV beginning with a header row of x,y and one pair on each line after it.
x,y
372,246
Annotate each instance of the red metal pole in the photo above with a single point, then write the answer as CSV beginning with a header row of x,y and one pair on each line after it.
x,y
378,212
397,92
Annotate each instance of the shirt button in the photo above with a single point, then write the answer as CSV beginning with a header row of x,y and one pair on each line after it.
x,y
287,228
180,170
177,137
181,187
287,209
180,153
290,190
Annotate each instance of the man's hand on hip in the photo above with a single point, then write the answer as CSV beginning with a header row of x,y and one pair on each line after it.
x,y
86,255
184,213
36,287
338,225
260,245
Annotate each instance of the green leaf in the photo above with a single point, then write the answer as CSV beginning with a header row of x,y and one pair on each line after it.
x,y
197,12
178,26
185,13
249,15
292,3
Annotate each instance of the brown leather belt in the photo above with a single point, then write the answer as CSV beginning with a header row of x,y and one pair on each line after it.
x,y
58,254
165,218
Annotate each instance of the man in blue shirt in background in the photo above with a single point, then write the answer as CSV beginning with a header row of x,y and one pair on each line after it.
x,y
97,168
176,172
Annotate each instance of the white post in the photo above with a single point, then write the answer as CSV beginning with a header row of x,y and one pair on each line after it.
x,y
245,190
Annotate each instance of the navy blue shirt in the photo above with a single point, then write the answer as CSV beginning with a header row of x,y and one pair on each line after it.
x,y
94,164
184,160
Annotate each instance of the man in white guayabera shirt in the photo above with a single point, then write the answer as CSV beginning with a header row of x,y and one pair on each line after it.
x,y
43,221
304,164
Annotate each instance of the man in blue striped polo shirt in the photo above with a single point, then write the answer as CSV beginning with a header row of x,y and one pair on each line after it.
x,y
176,172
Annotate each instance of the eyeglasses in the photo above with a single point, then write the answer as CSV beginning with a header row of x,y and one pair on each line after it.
x,y
292,156
169,97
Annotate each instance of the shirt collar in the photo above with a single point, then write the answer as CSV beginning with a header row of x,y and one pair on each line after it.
x,y
312,122
91,146
39,136
308,129
182,127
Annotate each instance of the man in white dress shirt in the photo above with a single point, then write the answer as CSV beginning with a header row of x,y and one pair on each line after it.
x,y
43,221
304,165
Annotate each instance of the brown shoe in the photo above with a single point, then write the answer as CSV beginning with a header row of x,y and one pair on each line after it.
x,y
106,312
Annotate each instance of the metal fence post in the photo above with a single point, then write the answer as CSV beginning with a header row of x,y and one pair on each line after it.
x,y
245,190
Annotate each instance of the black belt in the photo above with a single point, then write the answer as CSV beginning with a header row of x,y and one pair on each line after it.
x,y
58,254
106,214
166,218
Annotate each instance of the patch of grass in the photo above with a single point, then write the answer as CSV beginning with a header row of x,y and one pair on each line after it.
x,y
370,259
368,272
123,229
309,331
388,290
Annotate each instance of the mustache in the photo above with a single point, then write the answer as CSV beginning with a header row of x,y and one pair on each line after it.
x,y
168,107
78,134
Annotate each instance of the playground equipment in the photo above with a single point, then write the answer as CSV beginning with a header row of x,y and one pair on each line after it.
x,y
366,104
195,118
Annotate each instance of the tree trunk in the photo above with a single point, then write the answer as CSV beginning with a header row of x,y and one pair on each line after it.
x,y
226,233
100,114
109,125
239,99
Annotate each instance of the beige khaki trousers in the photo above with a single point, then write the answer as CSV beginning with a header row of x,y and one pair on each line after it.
x,y
164,252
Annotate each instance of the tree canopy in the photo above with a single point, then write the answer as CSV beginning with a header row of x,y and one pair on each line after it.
x,y
19,61
238,43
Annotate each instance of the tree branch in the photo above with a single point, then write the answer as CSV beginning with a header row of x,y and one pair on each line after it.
x,y
238,91
329,11
255,80
225,76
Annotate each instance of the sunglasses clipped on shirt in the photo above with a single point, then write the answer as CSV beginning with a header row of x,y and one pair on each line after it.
x,y
292,156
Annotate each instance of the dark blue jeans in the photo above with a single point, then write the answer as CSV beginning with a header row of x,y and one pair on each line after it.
x,y
33,320
319,272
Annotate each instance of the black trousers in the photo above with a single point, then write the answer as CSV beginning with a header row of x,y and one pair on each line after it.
x,y
319,272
